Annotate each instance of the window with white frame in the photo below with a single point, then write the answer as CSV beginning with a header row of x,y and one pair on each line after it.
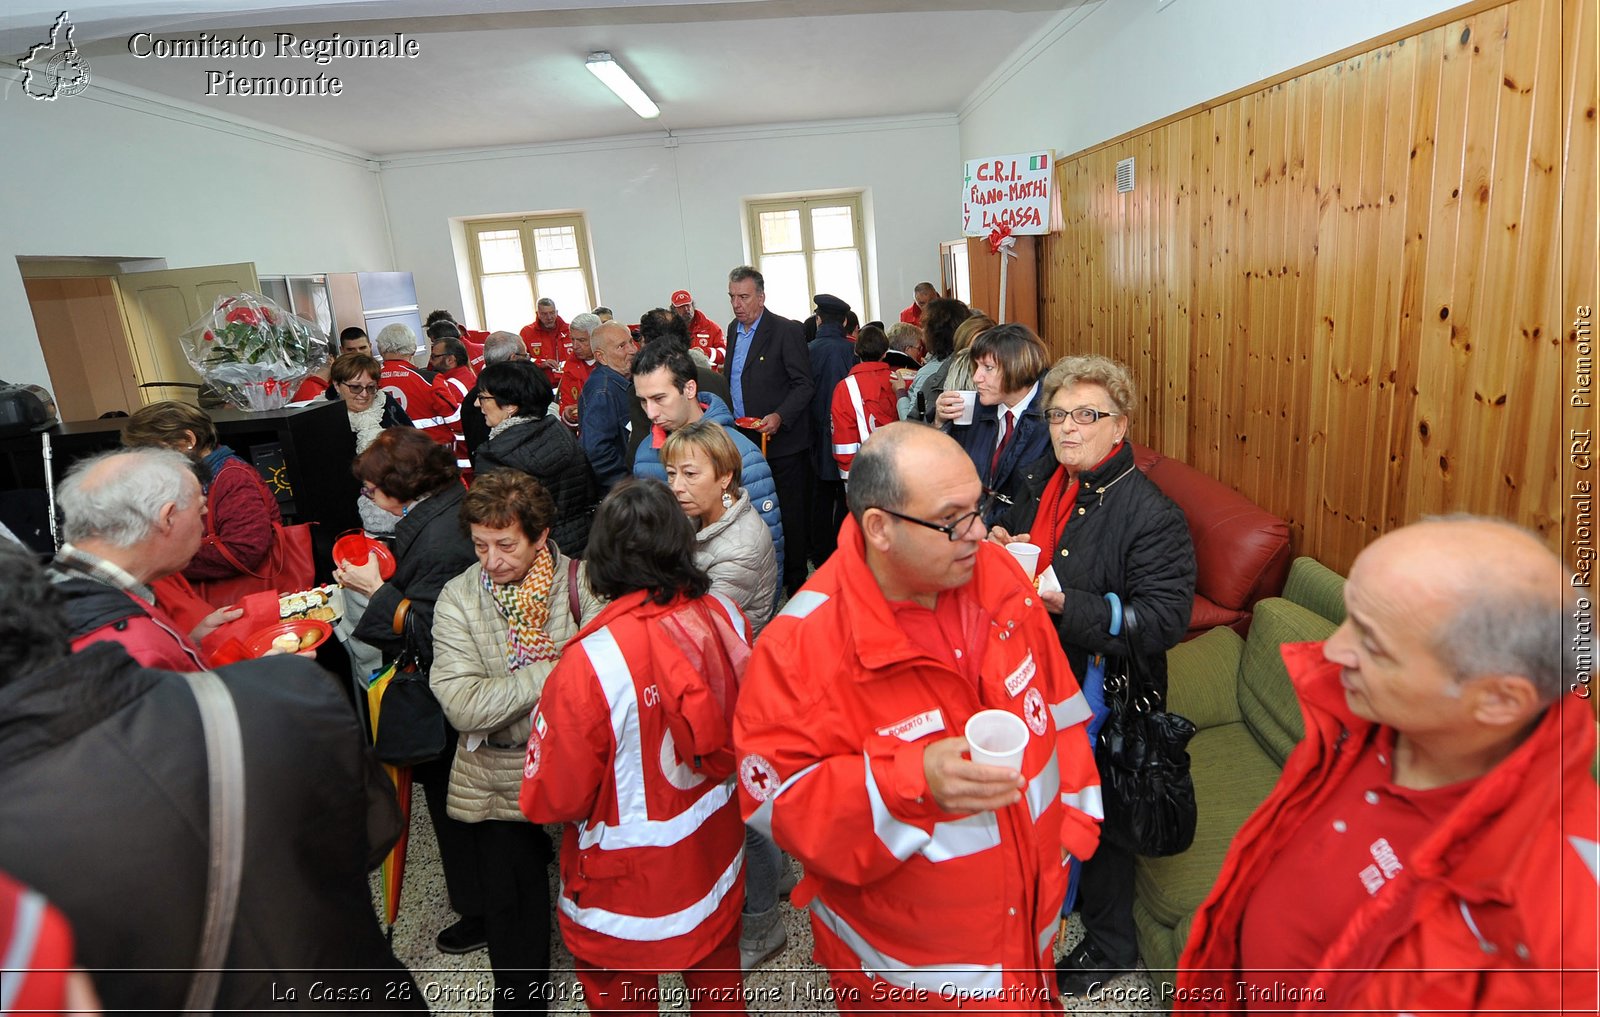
x,y
805,246
517,262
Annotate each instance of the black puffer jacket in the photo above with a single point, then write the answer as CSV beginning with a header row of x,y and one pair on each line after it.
x,y
1124,537
546,451
430,549
103,808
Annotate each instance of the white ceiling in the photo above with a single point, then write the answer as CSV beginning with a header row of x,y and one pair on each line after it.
x,y
511,72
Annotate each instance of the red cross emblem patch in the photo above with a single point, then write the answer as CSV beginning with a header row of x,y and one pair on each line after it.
x,y
1034,712
759,777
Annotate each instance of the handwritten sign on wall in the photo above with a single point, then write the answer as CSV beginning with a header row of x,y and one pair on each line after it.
x,y
1010,190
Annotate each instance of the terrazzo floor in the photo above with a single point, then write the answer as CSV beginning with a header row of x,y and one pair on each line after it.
x,y
461,984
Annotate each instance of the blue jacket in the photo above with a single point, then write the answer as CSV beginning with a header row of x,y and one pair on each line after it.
x,y
603,411
755,475
1031,442
832,356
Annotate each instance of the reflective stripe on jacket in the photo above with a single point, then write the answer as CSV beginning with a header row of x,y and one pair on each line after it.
x,y
837,709
652,861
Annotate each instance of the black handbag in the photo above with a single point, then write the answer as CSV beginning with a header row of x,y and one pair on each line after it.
x,y
1142,753
411,724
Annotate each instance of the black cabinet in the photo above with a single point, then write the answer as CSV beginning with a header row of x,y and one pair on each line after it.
x,y
306,452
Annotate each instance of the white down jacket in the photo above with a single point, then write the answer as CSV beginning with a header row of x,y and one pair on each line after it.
x,y
484,701
737,552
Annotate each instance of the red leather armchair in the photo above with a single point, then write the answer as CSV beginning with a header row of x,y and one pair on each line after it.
x,y
1241,550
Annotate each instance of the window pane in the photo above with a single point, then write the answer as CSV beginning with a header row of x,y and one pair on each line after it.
x,y
839,273
960,283
556,247
786,285
507,302
567,289
780,232
500,251
832,227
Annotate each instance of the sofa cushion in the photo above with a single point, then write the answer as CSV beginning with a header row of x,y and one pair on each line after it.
x,y
1208,614
1266,697
1232,775
1203,678
1241,550
1314,586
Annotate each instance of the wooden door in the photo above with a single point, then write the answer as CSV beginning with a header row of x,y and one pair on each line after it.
x,y
1022,283
158,307
85,346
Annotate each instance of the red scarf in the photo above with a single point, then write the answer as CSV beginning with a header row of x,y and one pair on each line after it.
x,y
1055,508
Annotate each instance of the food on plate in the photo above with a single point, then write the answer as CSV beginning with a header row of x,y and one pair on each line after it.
x,y
288,643
313,603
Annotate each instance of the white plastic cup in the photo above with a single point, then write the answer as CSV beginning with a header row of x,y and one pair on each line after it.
x,y
997,738
1027,555
969,406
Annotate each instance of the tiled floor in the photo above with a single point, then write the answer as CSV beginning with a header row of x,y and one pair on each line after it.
x,y
462,984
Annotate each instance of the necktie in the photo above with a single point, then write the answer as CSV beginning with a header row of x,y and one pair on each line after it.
x,y
999,449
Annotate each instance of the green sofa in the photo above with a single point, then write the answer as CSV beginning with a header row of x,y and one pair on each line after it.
x,y
1237,692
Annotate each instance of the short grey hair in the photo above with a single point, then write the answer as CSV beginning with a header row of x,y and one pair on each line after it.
x,y
586,323
903,335
501,346
744,272
875,480
121,505
546,302
397,339
1509,626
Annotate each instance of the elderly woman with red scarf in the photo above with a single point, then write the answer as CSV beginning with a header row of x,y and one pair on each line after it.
x,y
1103,528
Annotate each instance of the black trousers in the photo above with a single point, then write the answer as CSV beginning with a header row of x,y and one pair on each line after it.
x,y
1105,895
792,476
456,856
828,510
513,859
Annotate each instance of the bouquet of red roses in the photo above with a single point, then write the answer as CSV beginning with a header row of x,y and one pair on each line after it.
x,y
252,351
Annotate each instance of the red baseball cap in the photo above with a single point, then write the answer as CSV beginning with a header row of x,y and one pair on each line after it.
x,y
681,297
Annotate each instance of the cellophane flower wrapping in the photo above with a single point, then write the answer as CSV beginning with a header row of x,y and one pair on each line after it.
x,y
254,352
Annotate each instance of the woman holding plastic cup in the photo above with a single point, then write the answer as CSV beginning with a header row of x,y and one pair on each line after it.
x,y
1106,529
1006,429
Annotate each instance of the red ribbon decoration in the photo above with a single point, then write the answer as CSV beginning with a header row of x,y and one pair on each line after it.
x,y
997,236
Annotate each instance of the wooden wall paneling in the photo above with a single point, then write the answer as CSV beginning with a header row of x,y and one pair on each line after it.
x,y
1508,432
1308,337
1437,369
1413,313
1475,296
1390,195
1579,284
1178,281
1326,285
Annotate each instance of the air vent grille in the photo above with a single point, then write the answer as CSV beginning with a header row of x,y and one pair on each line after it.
x,y
1125,175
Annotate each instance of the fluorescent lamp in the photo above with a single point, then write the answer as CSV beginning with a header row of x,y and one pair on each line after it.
x,y
615,78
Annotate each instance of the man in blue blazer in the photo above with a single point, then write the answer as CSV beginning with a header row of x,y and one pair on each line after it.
x,y
768,368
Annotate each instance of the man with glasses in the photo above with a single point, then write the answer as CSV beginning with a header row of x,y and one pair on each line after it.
x,y
933,881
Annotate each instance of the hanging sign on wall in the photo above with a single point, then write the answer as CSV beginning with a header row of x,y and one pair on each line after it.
x,y
1011,191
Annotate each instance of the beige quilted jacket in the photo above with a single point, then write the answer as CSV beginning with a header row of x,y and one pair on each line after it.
x,y
480,697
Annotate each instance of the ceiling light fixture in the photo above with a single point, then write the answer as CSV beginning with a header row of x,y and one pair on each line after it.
x,y
615,78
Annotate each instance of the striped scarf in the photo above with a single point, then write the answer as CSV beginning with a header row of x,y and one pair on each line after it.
x,y
526,608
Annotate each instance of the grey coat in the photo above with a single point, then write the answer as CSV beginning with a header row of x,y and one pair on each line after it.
x,y
737,552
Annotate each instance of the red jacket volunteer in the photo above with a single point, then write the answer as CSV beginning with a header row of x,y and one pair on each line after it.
x,y
432,406
913,907
706,336
550,344
652,861
1483,913
863,402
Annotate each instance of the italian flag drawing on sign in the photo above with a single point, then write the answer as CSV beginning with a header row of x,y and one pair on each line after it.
x,y
1038,162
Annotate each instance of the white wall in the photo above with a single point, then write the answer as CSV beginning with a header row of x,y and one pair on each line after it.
x,y
1106,68
124,177
665,218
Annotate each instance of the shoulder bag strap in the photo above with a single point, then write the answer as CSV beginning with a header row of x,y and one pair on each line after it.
x,y
572,593
225,770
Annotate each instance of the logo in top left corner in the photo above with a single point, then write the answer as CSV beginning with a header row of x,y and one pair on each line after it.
x,y
55,68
